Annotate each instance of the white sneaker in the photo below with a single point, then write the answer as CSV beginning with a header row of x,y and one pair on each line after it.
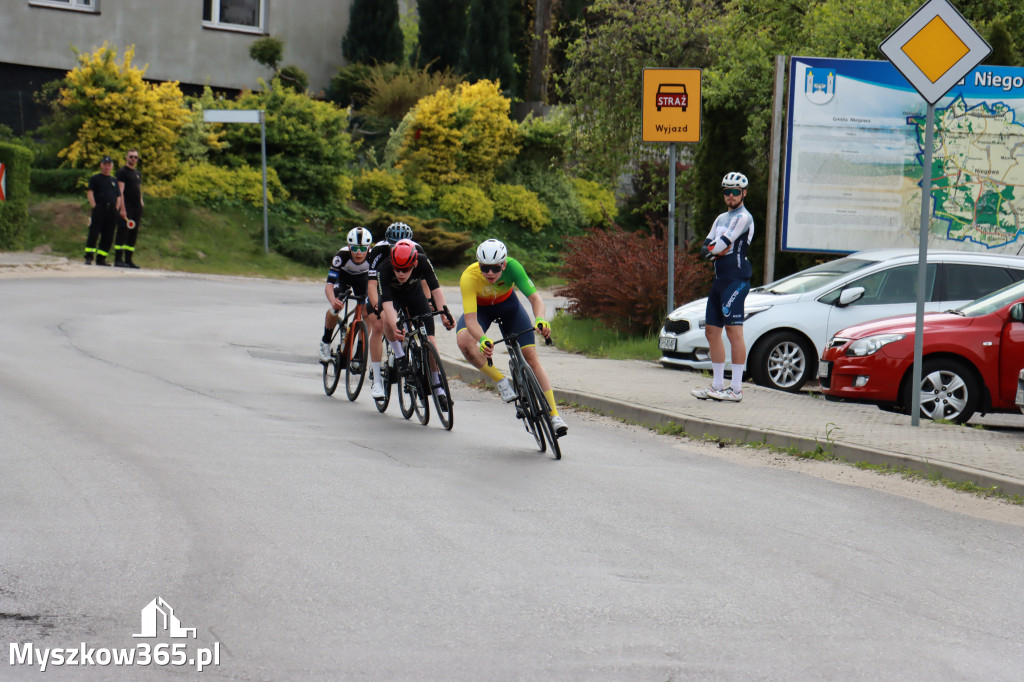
x,y
377,391
508,394
561,428
325,352
702,393
726,395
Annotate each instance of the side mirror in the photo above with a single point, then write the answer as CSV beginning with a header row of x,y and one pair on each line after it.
x,y
1017,312
850,295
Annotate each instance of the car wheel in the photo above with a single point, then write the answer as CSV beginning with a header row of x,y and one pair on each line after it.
x,y
784,361
949,390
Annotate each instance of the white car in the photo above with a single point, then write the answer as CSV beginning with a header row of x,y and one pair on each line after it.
x,y
788,322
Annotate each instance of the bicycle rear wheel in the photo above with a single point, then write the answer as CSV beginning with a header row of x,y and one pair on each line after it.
x,y
332,369
443,402
387,372
544,413
525,408
420,383
355,368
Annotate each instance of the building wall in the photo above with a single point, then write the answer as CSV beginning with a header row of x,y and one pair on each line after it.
x,y
169,36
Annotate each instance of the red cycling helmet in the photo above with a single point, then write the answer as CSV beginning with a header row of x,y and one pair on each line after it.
x,y
404,255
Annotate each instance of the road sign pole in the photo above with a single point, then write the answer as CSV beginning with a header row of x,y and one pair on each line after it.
x,y
922,260
263,154
670,231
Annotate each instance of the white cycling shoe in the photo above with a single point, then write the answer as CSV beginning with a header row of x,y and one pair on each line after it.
x,y
561,428
325,352
508,394
377,391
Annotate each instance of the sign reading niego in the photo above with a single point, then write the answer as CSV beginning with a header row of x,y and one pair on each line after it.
x,y
671,105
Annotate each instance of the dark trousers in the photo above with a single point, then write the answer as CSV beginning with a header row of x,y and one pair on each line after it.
x,y
124,245
102,225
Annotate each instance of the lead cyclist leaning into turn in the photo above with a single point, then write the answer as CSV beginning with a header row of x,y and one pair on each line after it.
x,y
488,295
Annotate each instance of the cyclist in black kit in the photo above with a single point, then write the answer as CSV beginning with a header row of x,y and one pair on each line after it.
x,y
349,268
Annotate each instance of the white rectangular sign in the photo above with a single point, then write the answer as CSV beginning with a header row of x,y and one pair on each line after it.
x,y
231,115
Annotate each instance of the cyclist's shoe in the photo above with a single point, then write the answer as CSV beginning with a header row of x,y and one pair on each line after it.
x,y
559,425
325,351
404,368
702,393
377,391
442,402
508,394
726,395
520,414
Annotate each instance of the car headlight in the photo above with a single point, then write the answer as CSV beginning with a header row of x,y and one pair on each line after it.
x,y
870,345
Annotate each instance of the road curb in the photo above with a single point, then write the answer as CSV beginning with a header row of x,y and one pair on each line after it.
x,y
707,428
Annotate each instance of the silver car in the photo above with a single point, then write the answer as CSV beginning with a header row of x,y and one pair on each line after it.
x,y
788,322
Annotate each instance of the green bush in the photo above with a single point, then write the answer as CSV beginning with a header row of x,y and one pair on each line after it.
x,y
598,202
210,185
14,210
420,194
442,246
378,188
306,245
466,206
519,205
52,181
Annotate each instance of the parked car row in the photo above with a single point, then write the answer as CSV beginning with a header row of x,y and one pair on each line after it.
x,y
823,323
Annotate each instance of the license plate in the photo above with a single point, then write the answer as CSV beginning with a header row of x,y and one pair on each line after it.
x,y
1020,398
823,369
667,343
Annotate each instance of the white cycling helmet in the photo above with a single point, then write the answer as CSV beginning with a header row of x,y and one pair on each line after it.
x,y
360,236
735,180
491,252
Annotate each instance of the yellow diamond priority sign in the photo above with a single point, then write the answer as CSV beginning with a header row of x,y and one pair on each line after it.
x,y
935,48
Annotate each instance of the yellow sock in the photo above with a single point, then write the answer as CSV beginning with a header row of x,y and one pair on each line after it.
x,y
550,395
492,373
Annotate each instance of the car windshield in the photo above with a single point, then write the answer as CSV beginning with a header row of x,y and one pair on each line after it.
x,y
816,277
992,302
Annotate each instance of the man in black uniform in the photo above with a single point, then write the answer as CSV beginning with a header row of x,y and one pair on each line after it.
x,y
105,199
129,180
349,268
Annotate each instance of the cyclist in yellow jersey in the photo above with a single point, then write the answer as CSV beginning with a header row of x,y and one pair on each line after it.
x,y
488,295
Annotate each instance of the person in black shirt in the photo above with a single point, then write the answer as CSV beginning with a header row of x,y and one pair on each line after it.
x,y
105,199
129,180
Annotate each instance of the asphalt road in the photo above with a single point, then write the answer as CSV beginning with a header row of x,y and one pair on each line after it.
x,y
168,437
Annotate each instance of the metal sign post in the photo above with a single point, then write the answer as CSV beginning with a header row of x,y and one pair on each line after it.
x,y
248,116
671,113
933,49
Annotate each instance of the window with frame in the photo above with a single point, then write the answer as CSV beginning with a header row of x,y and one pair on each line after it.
x,y
79,5
234,15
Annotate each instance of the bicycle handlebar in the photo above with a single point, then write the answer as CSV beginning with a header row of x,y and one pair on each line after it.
x,y
513,337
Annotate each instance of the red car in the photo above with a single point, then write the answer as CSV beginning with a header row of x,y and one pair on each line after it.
x,y
971,359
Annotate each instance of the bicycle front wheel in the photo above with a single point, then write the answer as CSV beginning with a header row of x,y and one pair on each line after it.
x,y
544,412
439,390
420,383
525,408
358,352
332,369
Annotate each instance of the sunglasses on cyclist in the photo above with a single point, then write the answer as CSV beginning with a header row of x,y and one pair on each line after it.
x,y
408,269
732,192
359,249
490,268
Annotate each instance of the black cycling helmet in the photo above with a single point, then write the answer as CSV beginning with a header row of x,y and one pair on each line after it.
x,y
396,232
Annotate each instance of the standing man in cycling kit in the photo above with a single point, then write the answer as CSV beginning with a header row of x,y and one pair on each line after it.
x,y
399,285
726,246
488,295
379,254
348,269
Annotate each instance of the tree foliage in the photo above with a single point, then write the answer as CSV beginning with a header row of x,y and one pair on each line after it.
x,y
105,107
307,142
487,54
374,34
442,33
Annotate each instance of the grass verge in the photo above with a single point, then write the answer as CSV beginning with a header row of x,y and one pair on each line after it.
x,y
594,339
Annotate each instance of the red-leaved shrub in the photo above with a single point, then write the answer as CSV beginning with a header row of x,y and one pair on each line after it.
x,y
621,278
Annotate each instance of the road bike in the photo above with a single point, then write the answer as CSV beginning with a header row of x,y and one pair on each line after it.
x,y
531,403
424,360
349,347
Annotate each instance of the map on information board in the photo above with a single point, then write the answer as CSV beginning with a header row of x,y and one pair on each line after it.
x,y
854,158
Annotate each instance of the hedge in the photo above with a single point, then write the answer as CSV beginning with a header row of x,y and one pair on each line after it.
x,y
17,161
60,180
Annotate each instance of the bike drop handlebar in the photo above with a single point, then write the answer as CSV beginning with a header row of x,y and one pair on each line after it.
x,y
514,336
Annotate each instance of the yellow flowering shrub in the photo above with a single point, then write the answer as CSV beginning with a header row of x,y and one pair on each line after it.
x,y
378,188
466,206
597,200
210,185
519,205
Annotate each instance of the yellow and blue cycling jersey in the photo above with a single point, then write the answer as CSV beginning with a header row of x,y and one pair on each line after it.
x,y
477,291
